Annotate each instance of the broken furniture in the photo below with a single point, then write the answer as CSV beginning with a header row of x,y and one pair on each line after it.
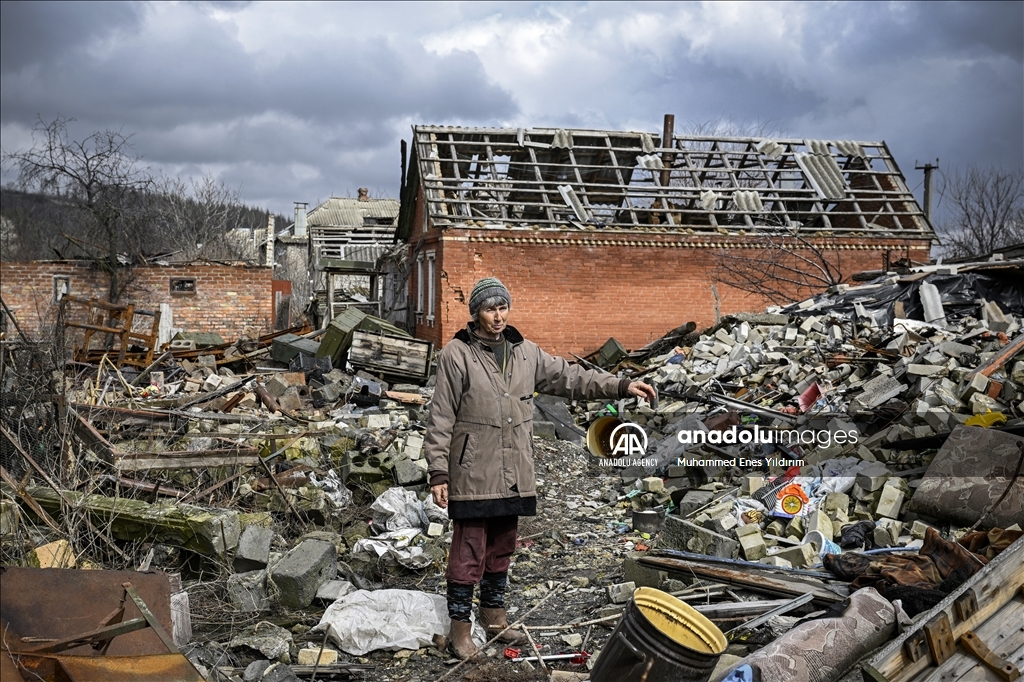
x,y
117,325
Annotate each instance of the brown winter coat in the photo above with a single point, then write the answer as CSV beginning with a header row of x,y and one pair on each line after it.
x,y
479,436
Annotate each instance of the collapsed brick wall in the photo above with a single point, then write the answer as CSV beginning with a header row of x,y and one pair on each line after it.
x,y
571,292
225,300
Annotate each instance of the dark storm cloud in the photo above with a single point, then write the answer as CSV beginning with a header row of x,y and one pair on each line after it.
x,y
294,102
33,34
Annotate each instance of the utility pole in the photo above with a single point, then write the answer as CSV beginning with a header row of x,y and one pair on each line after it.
x,y
927,168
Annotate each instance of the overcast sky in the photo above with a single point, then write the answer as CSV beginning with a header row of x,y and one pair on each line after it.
x,y
298,102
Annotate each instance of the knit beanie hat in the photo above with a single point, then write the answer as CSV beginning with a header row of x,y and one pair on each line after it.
x,y
485,289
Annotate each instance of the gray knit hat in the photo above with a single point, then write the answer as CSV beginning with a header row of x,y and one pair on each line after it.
x,y
485,289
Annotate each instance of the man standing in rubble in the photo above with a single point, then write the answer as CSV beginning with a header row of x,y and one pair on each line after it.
x,y
479,447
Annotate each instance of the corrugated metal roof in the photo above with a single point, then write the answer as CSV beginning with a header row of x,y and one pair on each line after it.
x,y
349,213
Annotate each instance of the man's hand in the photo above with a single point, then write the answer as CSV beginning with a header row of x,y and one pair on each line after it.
x,y
642,390
440,493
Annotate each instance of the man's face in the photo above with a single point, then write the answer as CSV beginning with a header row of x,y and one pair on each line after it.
x,y
493,319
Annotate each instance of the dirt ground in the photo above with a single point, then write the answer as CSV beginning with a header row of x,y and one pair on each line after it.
x,y
573,547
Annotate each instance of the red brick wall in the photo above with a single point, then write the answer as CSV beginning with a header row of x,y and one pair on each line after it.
x,y
572,291
227,297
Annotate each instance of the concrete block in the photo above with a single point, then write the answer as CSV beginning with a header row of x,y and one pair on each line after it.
x,y
678,533
248,591
872,478
328,393
620,593
694,500
253,551
721,524
752,542
414,446
796,527
799,556
776,560
302,571
212,382
377,421
918,529
642,576
837,506
977,384
751,484
937,418
276,385
653,484
332,590
955,350
408,472
887,532
545,430
290,400
880,389
925,370
818,520
890,502
310,656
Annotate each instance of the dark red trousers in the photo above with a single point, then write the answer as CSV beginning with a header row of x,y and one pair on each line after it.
x,y
480,546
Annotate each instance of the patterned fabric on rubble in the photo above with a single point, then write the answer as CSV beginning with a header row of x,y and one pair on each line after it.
x,y
823,650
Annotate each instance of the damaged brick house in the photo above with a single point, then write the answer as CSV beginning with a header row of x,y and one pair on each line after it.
x,y
347,238
606,233
201,296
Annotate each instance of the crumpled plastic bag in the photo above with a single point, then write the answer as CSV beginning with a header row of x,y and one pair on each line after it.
x,y
365,621
838,475
336,492
396,544
398,508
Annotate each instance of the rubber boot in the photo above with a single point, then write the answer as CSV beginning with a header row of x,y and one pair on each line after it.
x,y
461,641
494,621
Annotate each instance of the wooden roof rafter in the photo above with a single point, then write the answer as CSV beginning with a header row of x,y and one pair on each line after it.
x,y
544,178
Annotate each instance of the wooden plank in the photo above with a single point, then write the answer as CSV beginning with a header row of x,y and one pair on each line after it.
x,y
994,586
756,582
1004,634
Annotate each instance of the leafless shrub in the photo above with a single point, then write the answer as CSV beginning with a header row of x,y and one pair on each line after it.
x,y
985,210
781,268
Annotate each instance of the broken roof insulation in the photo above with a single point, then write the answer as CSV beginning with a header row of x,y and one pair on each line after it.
x,y
547,178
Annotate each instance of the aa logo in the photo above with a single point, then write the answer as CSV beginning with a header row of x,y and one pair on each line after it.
x,y
628,440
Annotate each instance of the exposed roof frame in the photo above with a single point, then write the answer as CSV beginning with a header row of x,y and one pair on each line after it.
x,y
555,179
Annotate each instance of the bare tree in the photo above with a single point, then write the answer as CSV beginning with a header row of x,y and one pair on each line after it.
x,y
101,178
985,210
782,268
197,218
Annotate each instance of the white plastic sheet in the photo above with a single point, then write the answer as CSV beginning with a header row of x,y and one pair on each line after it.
x,y
398,508
364,621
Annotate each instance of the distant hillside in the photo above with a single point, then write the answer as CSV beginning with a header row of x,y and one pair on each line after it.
x,y
42,227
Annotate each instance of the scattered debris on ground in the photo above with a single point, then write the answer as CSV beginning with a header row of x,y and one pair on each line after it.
x,y
859,452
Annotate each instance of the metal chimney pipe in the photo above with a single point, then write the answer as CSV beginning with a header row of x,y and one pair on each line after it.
x,y
300,219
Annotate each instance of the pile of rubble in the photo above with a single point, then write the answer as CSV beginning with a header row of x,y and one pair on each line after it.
x,y
282,477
